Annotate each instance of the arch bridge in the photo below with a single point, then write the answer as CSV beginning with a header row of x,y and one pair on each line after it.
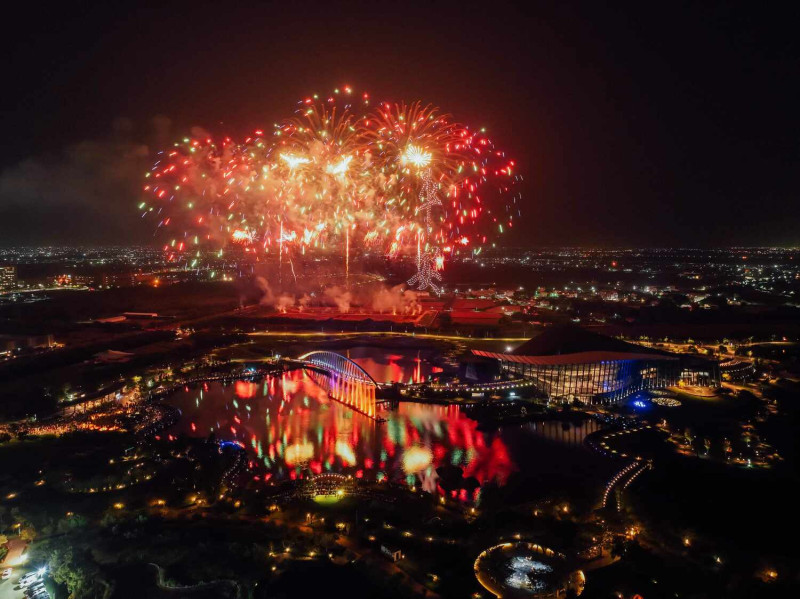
x,y
347,382
338,364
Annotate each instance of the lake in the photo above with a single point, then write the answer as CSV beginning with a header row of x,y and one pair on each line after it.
x,y
289,424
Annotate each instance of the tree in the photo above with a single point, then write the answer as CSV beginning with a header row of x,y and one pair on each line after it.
x,y
450,477
688,436
26,529
77,573
70,523
618,547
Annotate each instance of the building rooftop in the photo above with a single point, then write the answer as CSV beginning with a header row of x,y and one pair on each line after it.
x,y
568,339
567,344
587,357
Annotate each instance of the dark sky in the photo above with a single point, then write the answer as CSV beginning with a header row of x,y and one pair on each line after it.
x,y
661,124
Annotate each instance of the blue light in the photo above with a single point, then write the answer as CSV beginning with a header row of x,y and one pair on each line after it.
x,y
639,404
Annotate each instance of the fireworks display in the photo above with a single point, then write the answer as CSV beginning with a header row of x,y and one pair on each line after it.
x,y
341,175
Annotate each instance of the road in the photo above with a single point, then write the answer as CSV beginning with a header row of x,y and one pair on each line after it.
x,y
381,334
16,549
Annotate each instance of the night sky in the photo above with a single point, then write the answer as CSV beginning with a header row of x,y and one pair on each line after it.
x,y
668,126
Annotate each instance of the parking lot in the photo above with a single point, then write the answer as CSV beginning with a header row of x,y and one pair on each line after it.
x,y
11,589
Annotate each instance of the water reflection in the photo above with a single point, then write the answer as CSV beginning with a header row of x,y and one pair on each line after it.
x,y
388,367
289,424
571,434
355,394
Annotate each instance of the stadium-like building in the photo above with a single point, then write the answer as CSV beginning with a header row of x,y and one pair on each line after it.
x,y
569,363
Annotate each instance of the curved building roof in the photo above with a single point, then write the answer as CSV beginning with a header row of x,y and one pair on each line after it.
x,y
586,357
567,339
566,344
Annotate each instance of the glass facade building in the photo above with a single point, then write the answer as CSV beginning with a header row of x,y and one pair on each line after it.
x,y
605,377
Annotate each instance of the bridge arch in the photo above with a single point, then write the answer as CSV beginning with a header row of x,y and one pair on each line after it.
x,y
339,364
346,381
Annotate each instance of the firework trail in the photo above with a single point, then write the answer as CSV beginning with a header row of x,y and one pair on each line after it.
x,y
341,176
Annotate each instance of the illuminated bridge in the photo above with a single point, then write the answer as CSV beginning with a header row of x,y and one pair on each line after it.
x,y
338,364
345,380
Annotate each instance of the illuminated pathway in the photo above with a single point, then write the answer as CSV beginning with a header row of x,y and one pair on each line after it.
x,y
382,334
629,473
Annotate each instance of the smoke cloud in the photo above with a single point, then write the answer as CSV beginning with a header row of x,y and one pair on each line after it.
x,y
340,297
395,300
87,191
374,297
281,301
